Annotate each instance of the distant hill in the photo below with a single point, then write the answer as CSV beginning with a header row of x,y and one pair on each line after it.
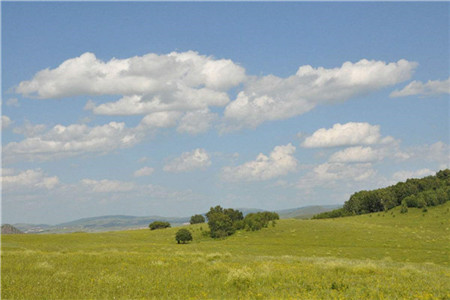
x,y
306,212
102,223
9,229
123,222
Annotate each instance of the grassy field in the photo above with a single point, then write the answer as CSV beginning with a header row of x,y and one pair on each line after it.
x,y
378,256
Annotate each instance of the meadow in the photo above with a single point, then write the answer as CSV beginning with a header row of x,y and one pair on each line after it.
x,y
386,255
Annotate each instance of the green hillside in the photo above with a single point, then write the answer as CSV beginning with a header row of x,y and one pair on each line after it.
x,y
306,212
421,193
380,255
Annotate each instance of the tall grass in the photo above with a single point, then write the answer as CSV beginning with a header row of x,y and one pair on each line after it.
x,y
374,256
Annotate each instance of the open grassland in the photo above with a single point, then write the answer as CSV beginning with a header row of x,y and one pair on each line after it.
x,y
379,256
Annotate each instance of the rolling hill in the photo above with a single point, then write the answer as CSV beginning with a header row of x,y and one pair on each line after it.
x,y
9,229
122,222
388,255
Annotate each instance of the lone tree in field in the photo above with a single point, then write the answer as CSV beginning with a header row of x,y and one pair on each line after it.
x,y
158,225
183,235
196,219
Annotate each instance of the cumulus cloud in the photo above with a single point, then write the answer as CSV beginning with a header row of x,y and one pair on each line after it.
x,y
107,186
356,154
331,172
148,83
189,161
279,162
438,152
274,98
196,122
160,120
28,179
403,175
62,141
29,130
6,122
145,171
431,88
346,135
182,99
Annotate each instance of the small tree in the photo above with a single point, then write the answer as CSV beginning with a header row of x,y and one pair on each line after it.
x,y
196,219
183,235
158,225
220,225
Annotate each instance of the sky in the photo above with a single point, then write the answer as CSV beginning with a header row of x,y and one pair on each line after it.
x,y
147,108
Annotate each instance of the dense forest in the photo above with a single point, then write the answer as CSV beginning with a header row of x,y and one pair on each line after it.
x,y
427,191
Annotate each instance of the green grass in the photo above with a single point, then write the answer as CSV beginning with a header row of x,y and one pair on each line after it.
x,y
378,256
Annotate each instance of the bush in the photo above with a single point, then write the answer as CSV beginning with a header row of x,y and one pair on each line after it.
x,y
224,222
257,221
183,235
158,225
196,219
220,225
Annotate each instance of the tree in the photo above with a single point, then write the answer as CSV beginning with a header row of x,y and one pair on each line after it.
x,y
158,225
220,225
234,214
257,221
196,219
183,235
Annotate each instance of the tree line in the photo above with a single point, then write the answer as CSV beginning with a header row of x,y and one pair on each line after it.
x,y
423,192
223,222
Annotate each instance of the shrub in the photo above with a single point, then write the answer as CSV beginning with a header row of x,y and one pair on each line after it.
x,y
183,235
404,209
196,219
220,225
158,225
257,221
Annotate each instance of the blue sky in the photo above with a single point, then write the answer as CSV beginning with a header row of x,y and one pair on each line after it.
x,y
169,108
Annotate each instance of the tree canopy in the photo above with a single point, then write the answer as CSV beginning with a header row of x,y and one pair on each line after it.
x,y
427,191
183,235
158,225
224,222
196,219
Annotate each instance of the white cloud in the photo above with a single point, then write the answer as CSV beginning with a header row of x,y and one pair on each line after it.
x,y
431,88
196,122
160,120
438,152
29,179
188,161
329,173
182,99
280,162
107,186
13,102
145,171
148,83
346,134
29,129
274,98
356,154
403,175
61,141
6,122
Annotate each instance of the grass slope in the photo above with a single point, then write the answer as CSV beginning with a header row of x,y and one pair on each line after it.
x,y
306,212
387,255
